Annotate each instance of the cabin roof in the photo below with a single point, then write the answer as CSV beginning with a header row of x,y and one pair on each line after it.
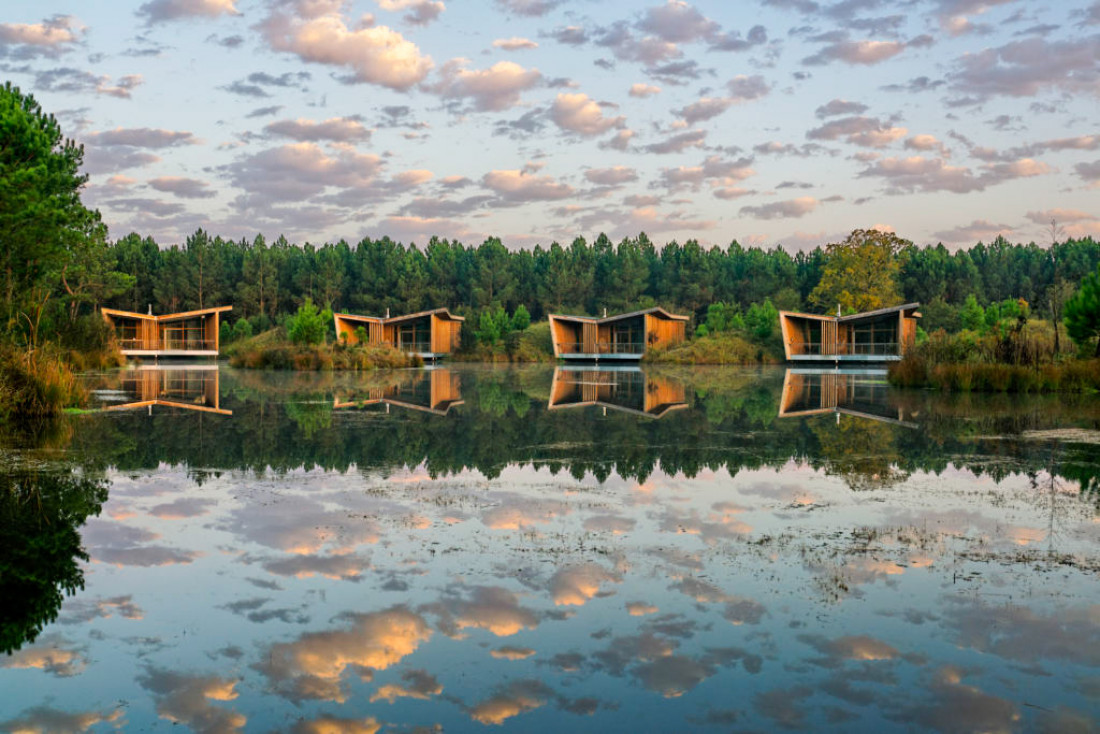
x,y
618,317
164,317
440,312
854,316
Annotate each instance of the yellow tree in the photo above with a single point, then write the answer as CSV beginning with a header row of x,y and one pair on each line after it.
x,y
860,273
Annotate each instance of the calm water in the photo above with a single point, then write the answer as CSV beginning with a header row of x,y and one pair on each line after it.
x,y
471,549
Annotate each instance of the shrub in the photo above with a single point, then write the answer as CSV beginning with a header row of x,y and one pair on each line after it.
x,y
307,326
37,383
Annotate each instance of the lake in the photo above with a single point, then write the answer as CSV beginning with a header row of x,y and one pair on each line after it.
x,y
537,549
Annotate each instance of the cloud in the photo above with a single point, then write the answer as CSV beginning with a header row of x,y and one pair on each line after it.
x,y
679,142
619,141
865,53
339,129
313,666
579,114
46,719
522,186
253,85
108,160
614,176
141,137
189,699
677,22
1031,66
644,90
1088,170
51,654
185,188
515,43
514,699
489,608
528,8
159,11
790,209
926,143
317,33
714,169
421,12
327,724
917,173
864,131
419,684
840,107
575,585
508,652
496,88
67,79
704,109
979,229
52,37
745,88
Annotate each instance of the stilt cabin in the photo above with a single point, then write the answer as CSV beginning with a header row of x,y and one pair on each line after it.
x,y
873,336
429,334
433,391
626,389
859,393
624,337
186,334
190,388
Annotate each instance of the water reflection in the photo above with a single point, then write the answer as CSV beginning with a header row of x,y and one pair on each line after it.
x,y
195,387
302,568
435,390
629,389
859,393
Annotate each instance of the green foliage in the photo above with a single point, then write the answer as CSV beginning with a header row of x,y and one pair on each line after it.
x,y
521,318
40,547
1082,312
972,315
762,320
242,329
721,348
307,326
860,273
723,317
37,382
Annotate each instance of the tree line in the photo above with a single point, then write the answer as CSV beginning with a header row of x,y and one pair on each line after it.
x,y
264,281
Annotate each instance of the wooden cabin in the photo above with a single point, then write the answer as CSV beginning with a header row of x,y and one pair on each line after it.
x,y
623,337
429,334
863,394
626,389
883,335
433,391
186,334
192,388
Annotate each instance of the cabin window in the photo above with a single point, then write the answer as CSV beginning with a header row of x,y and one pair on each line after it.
x,y
415,336
627,336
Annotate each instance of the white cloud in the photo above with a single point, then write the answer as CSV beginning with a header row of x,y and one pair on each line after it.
x,y
159,11
515,43
342,129
51,36
318,33
644,90
421,12
613,176
789,209
521,186
579,114
496,88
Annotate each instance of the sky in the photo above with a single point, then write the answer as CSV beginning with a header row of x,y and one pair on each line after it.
x,y
768,122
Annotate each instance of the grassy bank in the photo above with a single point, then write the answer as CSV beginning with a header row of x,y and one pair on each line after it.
x,y
721,348
532,344
1013,361
271,350
37,382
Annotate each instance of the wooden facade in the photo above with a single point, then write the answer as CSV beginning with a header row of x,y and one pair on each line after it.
x,y
430,334
192,388
623,337
433,391
626,389
883,335
185,334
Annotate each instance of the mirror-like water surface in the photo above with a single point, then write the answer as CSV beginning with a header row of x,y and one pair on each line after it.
x,y
464,548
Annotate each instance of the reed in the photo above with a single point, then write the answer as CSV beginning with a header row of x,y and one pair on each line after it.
x,y
37,382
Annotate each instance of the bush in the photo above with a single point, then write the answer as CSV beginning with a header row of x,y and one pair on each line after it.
x,y
307,326
724,348
37,383
242,329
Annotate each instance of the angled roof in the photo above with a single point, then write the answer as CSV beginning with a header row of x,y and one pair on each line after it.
x,y
440,312
617,317
164,317
854,316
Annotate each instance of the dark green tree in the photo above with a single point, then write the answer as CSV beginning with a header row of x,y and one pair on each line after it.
x,y
1083,312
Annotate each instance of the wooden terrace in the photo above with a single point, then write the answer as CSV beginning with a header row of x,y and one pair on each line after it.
x,y
185,334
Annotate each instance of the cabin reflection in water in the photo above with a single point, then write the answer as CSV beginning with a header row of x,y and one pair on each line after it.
x,y
190,388
627,389
861,393
434,391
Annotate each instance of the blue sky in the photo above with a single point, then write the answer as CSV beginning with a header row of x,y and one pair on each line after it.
x,y
776,122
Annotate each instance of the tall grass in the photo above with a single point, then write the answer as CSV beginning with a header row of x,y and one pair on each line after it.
x,y
37,382
266,353
1016,360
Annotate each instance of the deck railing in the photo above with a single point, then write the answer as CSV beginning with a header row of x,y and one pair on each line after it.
x,y
881,349
161,345
601,348
416,347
